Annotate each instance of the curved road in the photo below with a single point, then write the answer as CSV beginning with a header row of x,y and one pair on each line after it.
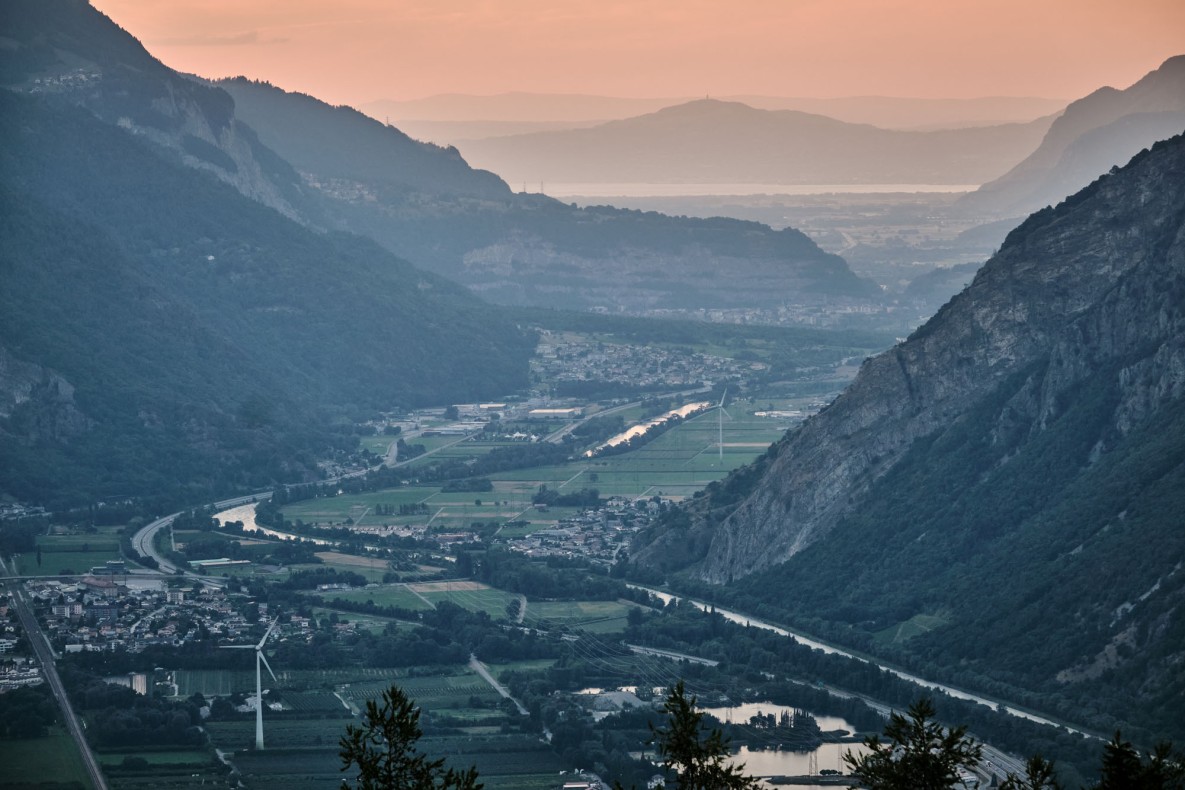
x,y
143,541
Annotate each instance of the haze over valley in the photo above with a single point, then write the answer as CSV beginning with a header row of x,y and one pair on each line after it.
x,y
587,390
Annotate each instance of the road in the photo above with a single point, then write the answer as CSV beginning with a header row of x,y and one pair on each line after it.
x,y
480,669
144,539
45,657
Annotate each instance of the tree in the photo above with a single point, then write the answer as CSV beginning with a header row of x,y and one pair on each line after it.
x,y
1039,775
1124,769
920,754
700,763
384,749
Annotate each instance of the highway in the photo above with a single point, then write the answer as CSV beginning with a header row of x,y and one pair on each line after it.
x,y
45,657
144,539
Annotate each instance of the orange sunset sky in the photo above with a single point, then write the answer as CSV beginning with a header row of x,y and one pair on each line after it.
x,y
355,51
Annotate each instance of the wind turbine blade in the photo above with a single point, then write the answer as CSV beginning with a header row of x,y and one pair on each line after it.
x,y
266,634
236,647
263,658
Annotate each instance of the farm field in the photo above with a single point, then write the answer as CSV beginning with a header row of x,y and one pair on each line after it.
x,y
302,747
397,595
73,552
598,617
676,464
190,757
474,596
53,758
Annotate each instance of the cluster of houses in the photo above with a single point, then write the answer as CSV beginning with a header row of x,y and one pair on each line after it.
x,y
571,358
15,670
598,535
132,613
831,312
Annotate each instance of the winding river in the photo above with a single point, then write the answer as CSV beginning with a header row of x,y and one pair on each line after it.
x,y
742,619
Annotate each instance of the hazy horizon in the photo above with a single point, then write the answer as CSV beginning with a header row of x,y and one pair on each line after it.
x,y
364,51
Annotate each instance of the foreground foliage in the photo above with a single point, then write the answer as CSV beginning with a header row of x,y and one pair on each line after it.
x,y
384,750
920,753
699,759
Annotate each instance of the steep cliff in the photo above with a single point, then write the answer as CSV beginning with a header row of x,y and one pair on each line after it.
x,y
1072,291
997,499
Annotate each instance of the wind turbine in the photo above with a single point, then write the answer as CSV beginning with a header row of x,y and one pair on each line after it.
x,y
259,658
720,415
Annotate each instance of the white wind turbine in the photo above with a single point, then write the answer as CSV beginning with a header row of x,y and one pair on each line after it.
x,y
720,415
259,658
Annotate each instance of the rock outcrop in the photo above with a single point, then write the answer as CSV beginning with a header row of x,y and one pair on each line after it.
x,y
1096,285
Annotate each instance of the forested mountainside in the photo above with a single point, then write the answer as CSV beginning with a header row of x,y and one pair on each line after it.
x,y
162,333
528,249
1001,493
1094,134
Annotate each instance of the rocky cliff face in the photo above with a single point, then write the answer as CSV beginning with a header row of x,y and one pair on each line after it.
x,y
67,51
1096,285
37,404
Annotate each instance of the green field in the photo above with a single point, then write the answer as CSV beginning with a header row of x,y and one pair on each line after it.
x,y
192,757
302,744
596,617
915,626
53,562
678,463
77,553
53,758
486,599
396,595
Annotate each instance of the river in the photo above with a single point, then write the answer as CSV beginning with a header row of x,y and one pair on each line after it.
x,y
642,427
246,514
957,693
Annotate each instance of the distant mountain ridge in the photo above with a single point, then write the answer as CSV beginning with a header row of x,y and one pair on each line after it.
x,y
1095,133
528,249
712,141
999,495
889,112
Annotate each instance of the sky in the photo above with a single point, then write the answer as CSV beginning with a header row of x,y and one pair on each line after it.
x,y
358,51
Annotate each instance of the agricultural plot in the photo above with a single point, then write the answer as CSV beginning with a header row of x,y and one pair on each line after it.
x,y
436,692
336,509
397,595
55,562
370,622
73,553
213,682
474,596
293,768
314,702
597,617
53,758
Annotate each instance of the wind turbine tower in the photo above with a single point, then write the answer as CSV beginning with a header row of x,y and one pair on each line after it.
x,y
259,659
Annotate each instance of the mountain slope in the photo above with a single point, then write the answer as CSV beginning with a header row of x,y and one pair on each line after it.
x,y
342,143
710,141
171,334
529,249
1001,492
1094,134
